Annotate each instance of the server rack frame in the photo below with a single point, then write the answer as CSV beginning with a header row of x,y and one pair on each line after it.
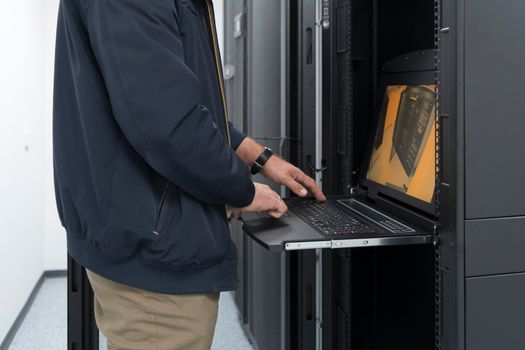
x,y
347,167
449,259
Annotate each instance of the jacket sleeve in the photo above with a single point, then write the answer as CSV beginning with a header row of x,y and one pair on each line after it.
x,y
237,136
155,99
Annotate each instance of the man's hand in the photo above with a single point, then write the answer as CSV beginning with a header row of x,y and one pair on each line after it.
x,y
280,171
265,200
284,173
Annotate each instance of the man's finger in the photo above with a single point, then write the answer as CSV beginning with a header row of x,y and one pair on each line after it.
x,y
310,184
276,214
279,208
273,213
282,207
236,213
296,187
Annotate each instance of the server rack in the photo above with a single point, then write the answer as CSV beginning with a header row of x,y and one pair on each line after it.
x,y
301,319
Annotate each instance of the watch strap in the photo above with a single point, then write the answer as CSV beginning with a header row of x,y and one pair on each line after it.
x,y
261,161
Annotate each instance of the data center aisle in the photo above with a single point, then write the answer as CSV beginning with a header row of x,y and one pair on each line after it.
x,y
44,327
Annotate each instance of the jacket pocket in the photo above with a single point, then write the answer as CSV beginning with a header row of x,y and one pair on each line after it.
x,y
195,235
160,217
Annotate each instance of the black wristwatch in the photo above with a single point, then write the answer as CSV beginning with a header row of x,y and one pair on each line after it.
x,y
263,158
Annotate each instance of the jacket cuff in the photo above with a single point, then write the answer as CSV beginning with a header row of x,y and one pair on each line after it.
x,y
247,198
237,136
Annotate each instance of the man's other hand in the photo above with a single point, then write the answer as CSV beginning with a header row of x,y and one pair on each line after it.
x,y
284,173
266,201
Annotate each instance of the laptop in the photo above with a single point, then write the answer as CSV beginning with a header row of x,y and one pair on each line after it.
x,y
400,169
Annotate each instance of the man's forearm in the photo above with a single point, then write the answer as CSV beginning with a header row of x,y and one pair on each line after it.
x,y
249,150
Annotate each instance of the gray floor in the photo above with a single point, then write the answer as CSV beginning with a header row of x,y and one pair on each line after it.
x,y
44,327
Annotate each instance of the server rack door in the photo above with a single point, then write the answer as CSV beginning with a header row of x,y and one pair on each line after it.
x,y
306,84
302,126
494,95
493,143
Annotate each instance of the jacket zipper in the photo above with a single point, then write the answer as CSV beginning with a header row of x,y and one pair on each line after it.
x,y
220,77
211,24
159,208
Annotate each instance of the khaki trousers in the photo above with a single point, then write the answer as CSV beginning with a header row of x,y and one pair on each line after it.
x,y
136,319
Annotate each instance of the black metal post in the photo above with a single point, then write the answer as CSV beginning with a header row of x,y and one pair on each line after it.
x,y
82,331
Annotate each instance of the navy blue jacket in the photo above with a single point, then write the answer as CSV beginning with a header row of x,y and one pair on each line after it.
x,y
144,156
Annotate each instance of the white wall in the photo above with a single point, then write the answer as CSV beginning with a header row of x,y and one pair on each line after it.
x,y
22,145
219,20
55,257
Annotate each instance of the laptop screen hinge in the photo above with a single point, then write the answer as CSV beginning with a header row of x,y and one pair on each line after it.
x,y
357,191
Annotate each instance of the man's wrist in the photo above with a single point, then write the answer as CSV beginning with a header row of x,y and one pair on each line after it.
x,y
249,151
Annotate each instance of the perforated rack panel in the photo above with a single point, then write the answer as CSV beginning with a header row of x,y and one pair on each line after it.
x,y
437,253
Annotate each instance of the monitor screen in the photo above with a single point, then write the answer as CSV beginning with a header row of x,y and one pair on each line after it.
x,y
404,150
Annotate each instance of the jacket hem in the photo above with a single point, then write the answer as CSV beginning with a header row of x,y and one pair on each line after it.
x,y
134,273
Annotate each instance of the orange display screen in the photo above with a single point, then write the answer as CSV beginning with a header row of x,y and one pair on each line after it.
x,y
404,150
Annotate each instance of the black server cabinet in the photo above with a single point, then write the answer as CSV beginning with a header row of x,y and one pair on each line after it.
x,y
271,97
265,98
257,89
278,106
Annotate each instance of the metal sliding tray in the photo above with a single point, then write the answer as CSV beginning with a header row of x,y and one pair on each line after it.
x,y
291,232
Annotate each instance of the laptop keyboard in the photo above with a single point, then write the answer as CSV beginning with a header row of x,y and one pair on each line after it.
x,y
329,219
